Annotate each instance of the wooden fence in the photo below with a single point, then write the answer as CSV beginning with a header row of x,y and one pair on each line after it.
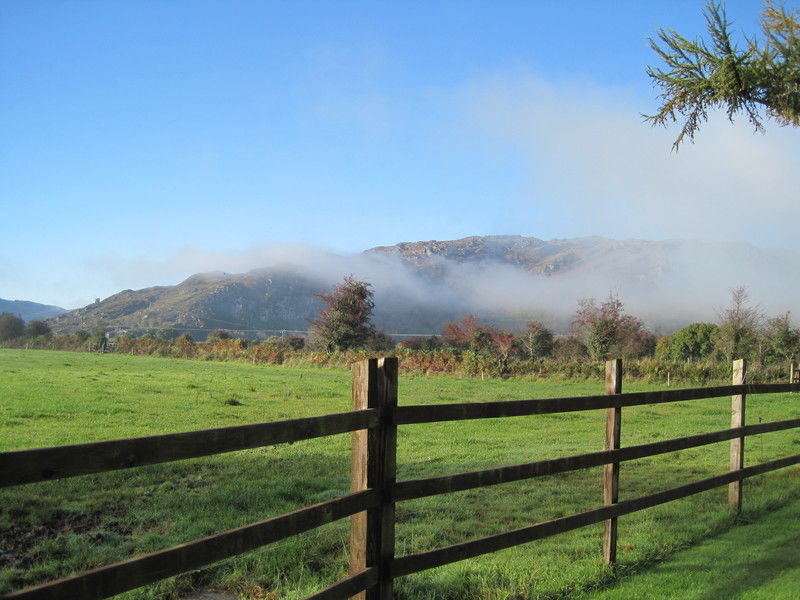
x,y
371,503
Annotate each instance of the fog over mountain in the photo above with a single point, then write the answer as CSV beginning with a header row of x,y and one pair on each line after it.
x,y
420,285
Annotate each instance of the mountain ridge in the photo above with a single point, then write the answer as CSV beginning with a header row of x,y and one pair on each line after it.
x,y
420,285
29,311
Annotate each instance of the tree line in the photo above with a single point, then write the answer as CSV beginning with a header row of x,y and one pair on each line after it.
x,y
343,329
600,330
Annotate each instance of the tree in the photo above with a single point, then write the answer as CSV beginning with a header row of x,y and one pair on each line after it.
x,y
184,345
379,340
460,334
783,340
488,345
37,328
737,334
694,342
345,321
167,334
11,326
219,334
504,346
569,348
699,76
606,330
537,339
429,343
99,336
601,338
287,342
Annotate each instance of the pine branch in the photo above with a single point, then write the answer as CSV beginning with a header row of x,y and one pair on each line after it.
x,y
698,77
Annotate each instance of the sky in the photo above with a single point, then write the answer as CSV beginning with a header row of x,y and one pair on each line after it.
x,y
143,141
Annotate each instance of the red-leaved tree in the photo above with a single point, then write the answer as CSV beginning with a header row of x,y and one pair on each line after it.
x,y
607,330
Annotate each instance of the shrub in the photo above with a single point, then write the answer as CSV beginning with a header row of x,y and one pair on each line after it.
x,y
11,327
37,328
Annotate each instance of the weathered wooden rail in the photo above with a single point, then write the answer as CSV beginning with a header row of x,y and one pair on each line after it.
x,y
374,491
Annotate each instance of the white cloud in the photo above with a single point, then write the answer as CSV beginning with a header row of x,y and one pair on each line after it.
x,y
325,266
589,149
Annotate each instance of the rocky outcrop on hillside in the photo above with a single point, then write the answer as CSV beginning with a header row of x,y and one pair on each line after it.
x,y
533,255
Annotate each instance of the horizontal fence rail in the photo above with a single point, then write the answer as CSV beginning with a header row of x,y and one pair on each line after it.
x,y
42,464
348,587
127,575
435,558
420,488
431,413
371,503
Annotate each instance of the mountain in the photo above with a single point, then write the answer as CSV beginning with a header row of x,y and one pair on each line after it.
x,y
434,259
421,285
258,300
29,311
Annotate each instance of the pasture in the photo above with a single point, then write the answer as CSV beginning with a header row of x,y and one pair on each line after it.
x,y
61,527
725,566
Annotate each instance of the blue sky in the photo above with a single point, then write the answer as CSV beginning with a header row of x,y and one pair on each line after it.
x,y
143,141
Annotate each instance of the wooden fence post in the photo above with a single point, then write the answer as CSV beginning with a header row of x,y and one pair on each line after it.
x,y
737,444
794,373
611,471
374,466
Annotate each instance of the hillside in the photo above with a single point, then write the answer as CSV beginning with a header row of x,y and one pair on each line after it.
x,y
257,300
420,285
29,311
636,258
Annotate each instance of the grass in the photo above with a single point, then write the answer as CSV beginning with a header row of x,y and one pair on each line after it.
x,y
57,528
756,561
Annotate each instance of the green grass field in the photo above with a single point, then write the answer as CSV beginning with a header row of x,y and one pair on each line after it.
x,y
756,561
57,528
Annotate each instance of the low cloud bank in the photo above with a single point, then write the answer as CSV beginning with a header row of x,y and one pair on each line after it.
x,y
678,282
586,147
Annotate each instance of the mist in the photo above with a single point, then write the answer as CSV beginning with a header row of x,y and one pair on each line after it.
x,y
667,284
587,149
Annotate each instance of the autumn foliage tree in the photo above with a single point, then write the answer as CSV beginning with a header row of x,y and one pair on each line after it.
x,y
496,345
461,333
345,321
469,334
607,331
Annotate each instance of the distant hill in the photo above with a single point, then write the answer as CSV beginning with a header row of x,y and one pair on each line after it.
x,y
29,311
258,300
420,285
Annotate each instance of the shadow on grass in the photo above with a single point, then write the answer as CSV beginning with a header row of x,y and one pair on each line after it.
x,y
163,505
736,574
758,560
